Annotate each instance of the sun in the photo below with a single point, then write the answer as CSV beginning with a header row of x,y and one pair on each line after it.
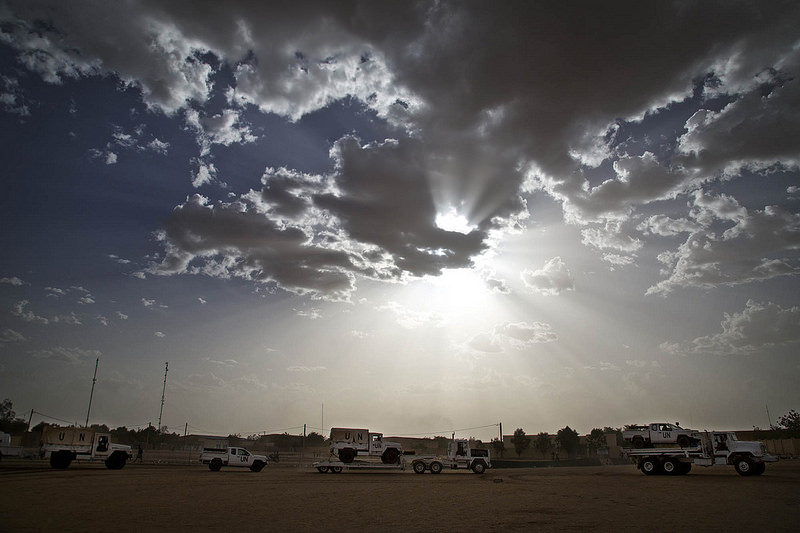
x,y
451,220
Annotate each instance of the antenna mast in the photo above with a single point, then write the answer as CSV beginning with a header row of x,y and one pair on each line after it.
x,y
163,391
91,394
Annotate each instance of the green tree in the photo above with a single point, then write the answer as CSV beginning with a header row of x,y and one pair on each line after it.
x,y
498,447
9,423
520,441
596,439
789,424
568,440
314,439
617,432
543,443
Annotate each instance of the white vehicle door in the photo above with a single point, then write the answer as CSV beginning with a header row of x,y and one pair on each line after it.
x,y
376,445
243,457
664,434
102,445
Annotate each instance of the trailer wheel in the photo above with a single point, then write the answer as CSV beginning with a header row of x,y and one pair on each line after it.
x,y
684,468
215,464
322,469
650,466
419,467
670,467
257,466
436,467
638,442
479,467
60,459
744,466
390,456
346,455
336,469
759,469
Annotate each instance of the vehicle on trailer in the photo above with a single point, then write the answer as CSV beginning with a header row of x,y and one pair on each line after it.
x,y
216,458
347,443
660,433
64,445
716,448
459,455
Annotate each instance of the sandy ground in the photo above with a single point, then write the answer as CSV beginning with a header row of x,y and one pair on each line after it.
x,y
85,497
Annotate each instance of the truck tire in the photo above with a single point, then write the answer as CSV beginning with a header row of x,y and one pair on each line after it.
x,y
116,461
257,466
436,467
390,456
759,469
638,442
684,441
60,459
418,467
671,467
478,467
322,469
215,465
744,466
684,469
650,466
346,455
336,469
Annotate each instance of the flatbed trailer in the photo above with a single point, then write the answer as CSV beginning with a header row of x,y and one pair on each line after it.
x,y
335,466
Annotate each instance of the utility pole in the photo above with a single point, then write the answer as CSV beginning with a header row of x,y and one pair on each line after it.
x,y
91,394
163,391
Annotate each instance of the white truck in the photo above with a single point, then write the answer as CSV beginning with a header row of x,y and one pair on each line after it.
x,y
459,456
64,445
347,443
660,433
715,448
6,449
216,458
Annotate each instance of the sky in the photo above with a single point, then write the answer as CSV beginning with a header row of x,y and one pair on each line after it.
x,y
414,217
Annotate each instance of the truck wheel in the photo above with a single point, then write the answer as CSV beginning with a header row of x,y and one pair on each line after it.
x,y
638,442
744,466
759,469
346,455
322,469
671,467
116,461
215,464
419,467
336,469
684,469
436,467
479,467
257,466
684,441
390,457
650,466
60,459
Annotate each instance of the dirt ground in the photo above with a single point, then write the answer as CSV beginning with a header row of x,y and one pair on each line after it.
x,y
88,497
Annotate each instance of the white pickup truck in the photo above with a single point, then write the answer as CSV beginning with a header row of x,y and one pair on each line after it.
x,y
6,449
216,458
660,433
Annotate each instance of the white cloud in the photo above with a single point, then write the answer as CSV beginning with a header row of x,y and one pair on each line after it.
x,y
759,326
517,336
552,279
159,334
306,369
13,281
9,335
753,246
68,355
19,310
